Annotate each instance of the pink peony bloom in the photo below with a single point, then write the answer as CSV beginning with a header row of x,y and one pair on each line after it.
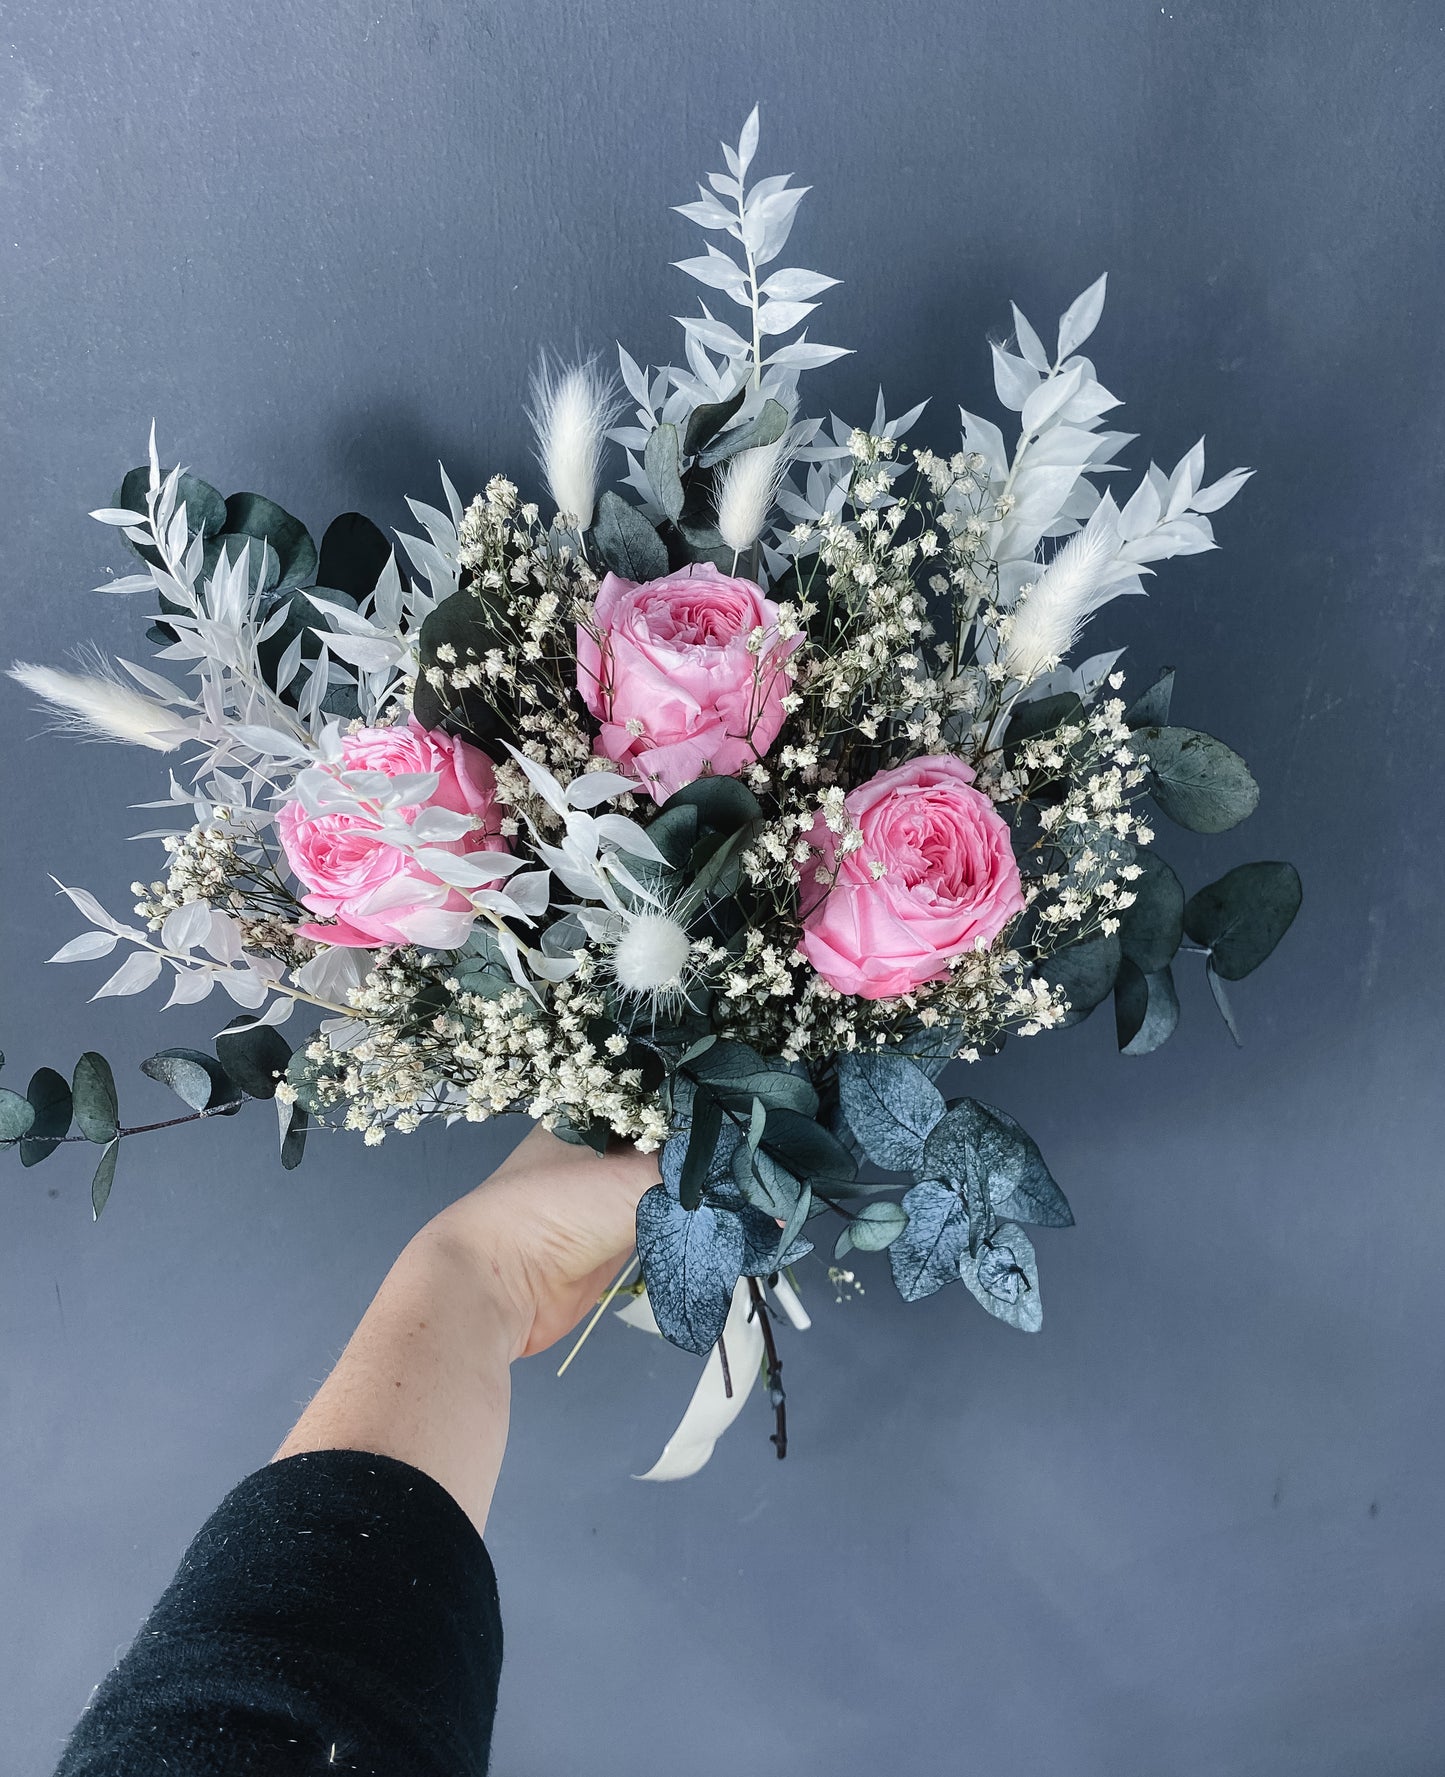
x,y
669,675
376,893
949,881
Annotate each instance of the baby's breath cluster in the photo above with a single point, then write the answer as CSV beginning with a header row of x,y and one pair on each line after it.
x,y
223,863
532,588
772,999
1079,782
861,686
478,1055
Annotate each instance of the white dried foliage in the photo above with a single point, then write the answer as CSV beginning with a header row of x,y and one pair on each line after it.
x,y
99,705
758,218
747,491
765,355
1048,617
573,406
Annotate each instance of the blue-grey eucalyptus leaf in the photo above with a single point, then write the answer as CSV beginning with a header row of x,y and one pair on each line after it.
x,y
253,515
1241,918
256,1058
49,1096
738,1075
997,1164
793,1151
104,1176
1198,781
793,1226
1221,1000
691,1259
1004,1277
1146,1009
626,542
761,1256
1151,708
294,1123
925,1255
17,1114
877,1225
196,1078
891,1105
718,1184
1086,973
707,420
93,1098
702,1141
1151,928
354,555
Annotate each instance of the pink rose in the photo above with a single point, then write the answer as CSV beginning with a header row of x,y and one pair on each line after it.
x,y
949,882
377,893
669,675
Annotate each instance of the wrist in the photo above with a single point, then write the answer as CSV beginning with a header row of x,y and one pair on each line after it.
x,y
461,1247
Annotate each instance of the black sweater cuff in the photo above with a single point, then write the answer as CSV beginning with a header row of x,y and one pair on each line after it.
x,y
338,1612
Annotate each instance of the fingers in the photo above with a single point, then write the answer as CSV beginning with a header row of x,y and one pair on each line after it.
x,y
540,1148
550,1222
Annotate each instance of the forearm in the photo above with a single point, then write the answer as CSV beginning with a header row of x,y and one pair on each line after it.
x,y
337,1607
504,1271
425,1376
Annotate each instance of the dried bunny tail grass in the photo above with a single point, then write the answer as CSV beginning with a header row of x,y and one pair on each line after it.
x,y
747,489
1045,623
99,705
572,408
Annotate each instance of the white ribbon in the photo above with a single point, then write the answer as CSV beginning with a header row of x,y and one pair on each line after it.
x,y
712,1409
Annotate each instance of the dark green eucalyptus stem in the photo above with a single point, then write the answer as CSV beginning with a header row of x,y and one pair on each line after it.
x,y
738,1123
122,1131
775,1369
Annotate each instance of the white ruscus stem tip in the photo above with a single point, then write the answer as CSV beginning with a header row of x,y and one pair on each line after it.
x,y
746,491
99,706
651,954
572,407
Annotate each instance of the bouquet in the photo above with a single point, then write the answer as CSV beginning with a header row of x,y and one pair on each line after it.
x,y
716,810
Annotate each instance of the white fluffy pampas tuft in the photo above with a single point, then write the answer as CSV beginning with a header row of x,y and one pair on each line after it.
x,y
1045,623
99,705
572,408
746,491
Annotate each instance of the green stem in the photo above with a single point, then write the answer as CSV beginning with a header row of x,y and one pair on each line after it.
x,y
136,1128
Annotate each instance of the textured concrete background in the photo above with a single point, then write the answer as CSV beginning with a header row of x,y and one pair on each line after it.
x,y
1196,1527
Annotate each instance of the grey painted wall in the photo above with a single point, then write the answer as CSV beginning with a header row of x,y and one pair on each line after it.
x,y
1196,1527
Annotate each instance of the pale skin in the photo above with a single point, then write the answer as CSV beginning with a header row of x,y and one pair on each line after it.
x,y
502,1273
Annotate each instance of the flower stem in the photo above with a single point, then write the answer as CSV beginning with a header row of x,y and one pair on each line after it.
x,y
123,1130
775,1369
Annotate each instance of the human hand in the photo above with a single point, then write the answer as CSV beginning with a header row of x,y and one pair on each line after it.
x,y
550,1229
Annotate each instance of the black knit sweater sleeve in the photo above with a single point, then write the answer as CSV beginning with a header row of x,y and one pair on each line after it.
x,y
337,1613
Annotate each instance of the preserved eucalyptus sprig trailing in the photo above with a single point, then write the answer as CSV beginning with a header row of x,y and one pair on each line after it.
x,y
716,810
